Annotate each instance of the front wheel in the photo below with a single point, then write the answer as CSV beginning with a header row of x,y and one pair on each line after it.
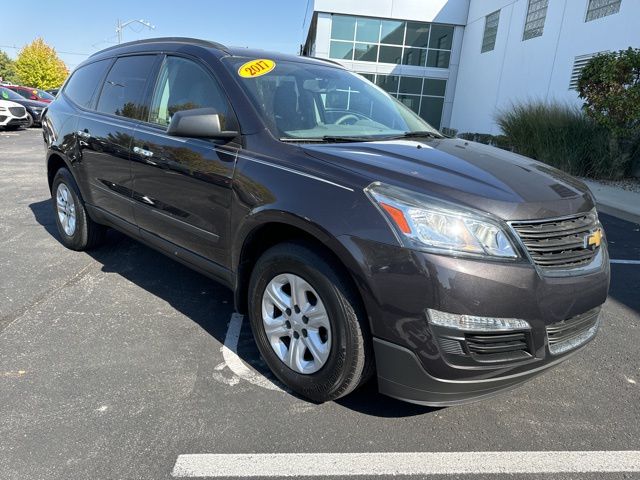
x,y
30,122
308,323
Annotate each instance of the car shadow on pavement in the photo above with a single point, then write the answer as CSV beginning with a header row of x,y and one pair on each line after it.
x,y
368,401
205,302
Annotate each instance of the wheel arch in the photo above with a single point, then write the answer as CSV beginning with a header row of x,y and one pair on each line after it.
x,y
54,163
277,227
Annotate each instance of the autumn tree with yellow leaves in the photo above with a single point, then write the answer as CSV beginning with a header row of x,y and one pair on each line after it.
x,y
38,65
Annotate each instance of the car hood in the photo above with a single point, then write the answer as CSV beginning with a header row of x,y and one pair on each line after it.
x,y
9,103
503,183
32,103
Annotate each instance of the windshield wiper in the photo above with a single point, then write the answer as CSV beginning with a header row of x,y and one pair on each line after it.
x,y
420,134
332,139
338,138
346,139
301,139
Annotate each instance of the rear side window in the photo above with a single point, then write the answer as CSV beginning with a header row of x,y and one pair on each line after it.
x,y
123,90
185,85
23,93
84,81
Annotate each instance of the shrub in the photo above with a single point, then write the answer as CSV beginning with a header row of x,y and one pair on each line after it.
x,y
610,87
563,137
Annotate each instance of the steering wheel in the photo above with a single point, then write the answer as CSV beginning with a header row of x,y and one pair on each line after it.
x,y
344,118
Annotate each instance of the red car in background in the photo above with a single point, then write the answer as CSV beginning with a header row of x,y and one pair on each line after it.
x,y
32,93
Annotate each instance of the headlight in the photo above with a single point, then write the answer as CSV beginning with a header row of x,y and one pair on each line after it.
x,y
3,109
428,224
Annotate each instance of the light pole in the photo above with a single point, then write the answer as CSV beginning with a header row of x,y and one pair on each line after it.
x,y
120,26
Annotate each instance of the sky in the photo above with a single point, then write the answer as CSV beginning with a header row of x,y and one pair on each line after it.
x,y
77,29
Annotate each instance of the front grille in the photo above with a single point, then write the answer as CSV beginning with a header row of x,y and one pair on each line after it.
x,y
568,334
17,111
498,347
451,346
559,243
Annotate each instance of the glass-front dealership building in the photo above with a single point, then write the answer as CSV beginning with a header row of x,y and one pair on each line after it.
x,y
457,62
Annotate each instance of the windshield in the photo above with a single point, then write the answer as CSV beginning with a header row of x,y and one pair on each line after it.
x,y
45,95
6,94
304,101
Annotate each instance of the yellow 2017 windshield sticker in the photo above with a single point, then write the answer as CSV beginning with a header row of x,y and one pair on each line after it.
x,y
255,68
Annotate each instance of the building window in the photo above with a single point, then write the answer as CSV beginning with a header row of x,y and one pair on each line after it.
x,y
490,31
602,8
369,76
579,63
391,41
425,96
343,28
536,15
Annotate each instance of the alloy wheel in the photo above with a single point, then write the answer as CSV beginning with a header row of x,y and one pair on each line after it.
x,y
66,209
296,323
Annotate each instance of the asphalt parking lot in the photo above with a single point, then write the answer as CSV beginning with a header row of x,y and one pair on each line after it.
x,y
114,364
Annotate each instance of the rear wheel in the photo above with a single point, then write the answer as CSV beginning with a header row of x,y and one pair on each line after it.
x,y
308,323
77,230
29,123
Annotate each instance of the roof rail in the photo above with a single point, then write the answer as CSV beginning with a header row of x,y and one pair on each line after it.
x,y
197,41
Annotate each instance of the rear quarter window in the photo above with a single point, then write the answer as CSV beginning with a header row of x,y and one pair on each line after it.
x,y
83,83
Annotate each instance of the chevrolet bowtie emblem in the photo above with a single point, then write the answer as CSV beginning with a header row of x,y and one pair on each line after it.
x,y
594,239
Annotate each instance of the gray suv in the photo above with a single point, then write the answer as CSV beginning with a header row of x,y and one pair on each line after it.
x,y
359,241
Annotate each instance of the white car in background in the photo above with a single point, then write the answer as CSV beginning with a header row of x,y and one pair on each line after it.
x,y
12,115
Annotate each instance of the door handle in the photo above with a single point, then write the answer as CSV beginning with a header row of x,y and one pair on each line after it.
x,y
83,133
143,152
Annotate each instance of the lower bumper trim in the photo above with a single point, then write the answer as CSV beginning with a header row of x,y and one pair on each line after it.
x,y
401,376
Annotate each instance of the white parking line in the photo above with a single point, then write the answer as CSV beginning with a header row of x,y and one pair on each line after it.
x,y
384,463
235,363
626,262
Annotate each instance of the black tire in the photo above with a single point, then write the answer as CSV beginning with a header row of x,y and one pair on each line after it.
x,y
29,123
87,234
350,361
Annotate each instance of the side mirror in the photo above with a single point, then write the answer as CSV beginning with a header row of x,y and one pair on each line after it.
x,y
33,97
198,123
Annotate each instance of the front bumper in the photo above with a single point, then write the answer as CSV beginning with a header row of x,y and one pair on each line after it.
x,y
6,121
37,116
413,363
401,376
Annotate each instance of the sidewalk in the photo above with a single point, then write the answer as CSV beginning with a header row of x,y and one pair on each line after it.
x,y
615,201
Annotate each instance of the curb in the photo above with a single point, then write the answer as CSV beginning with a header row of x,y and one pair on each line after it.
x,y
618,212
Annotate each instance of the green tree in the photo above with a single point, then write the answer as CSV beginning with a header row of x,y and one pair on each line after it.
x,y
39,66
7,68
610,87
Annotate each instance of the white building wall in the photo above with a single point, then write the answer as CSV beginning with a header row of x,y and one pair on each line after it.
x,y
440,11
536,69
